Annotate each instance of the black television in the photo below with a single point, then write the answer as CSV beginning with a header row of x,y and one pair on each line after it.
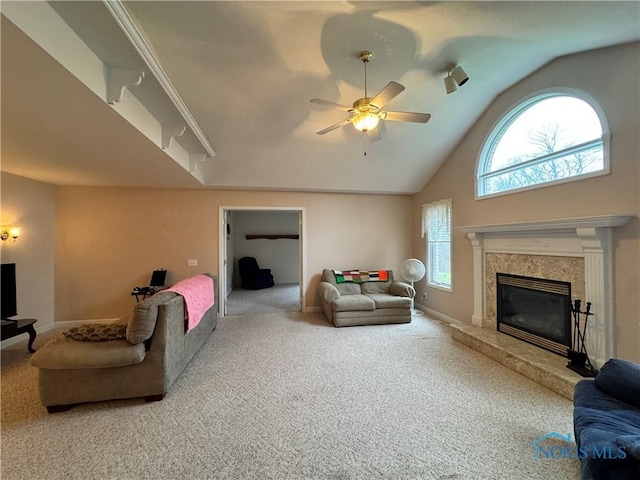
x,y
9,305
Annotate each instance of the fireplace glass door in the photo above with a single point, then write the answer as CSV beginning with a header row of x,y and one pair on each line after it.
x,y
535,310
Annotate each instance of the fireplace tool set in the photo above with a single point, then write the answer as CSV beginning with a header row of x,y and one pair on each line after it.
x,y
578,358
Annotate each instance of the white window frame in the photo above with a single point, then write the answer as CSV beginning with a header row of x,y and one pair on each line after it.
x,y
498,129
437,237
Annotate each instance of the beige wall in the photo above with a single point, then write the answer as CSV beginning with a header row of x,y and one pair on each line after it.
x,y
611,77
30,205
108,240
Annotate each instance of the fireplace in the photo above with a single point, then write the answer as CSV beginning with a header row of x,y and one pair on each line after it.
x,y
535,310
550,241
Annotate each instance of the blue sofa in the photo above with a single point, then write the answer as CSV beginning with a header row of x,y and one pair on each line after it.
x,y
606,419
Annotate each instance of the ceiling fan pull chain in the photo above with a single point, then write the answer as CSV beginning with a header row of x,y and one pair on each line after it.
x,y
364,146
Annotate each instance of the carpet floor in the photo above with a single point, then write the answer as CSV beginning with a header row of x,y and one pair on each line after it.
x,y
288,396
279,298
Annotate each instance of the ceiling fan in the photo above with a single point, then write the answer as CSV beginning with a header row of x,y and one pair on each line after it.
x,y
366,112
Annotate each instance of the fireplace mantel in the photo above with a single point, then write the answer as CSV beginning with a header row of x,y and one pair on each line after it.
x,y
586,237
546,225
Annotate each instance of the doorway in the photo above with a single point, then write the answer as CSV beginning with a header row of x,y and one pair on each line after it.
x,y
275,237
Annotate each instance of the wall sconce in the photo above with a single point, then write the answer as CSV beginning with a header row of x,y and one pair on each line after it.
x,y
455,78
9,232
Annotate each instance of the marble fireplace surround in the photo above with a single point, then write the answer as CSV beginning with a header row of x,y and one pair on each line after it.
x,y
578,249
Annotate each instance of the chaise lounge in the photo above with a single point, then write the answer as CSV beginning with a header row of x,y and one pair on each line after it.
x,y
140,355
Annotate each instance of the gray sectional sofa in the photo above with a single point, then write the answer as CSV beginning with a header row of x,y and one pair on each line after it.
x,y
365,303
144,364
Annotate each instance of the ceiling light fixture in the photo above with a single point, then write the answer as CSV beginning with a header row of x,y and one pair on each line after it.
x,y
455,78
365,121
366,115
367,112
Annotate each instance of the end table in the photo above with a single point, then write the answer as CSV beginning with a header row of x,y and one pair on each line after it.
x,y
11,328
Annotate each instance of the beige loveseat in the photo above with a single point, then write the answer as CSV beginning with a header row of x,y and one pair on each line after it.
x,y
144,364
365,303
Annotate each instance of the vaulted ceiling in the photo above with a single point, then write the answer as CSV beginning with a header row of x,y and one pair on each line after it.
x,y
243,74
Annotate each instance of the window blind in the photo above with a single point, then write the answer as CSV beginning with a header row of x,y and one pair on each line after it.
x,y
436,221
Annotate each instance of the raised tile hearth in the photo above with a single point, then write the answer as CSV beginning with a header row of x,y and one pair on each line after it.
x,y
543,367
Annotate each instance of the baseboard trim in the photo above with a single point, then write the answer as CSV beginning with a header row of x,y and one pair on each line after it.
x,y
439,315
75,323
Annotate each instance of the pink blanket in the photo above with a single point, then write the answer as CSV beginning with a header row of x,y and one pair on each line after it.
x,y
198,297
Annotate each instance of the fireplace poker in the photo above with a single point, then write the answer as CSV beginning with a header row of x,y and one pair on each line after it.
x,y
576,322
578,357
582,333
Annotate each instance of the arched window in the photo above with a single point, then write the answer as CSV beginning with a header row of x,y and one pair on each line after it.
x,y
551,137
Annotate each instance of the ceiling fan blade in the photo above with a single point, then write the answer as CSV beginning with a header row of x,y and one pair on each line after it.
x,y
407,117
387,94
327,103
335,126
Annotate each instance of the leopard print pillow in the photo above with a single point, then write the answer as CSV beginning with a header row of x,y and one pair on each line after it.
x,y
97,332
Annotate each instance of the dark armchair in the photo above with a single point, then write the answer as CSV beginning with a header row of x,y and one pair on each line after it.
x,y
252,276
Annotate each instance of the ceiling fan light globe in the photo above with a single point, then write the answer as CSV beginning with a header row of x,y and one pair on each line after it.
x,y
365,121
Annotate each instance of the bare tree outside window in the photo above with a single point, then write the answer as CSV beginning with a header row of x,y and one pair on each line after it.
x,y
536,150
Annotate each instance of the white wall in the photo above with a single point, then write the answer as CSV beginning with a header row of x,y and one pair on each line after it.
x,y
280,255
30,205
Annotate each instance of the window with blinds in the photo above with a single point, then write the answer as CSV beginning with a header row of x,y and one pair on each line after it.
x,y
436,227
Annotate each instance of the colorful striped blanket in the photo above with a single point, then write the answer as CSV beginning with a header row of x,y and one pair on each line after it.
x,y
360,276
